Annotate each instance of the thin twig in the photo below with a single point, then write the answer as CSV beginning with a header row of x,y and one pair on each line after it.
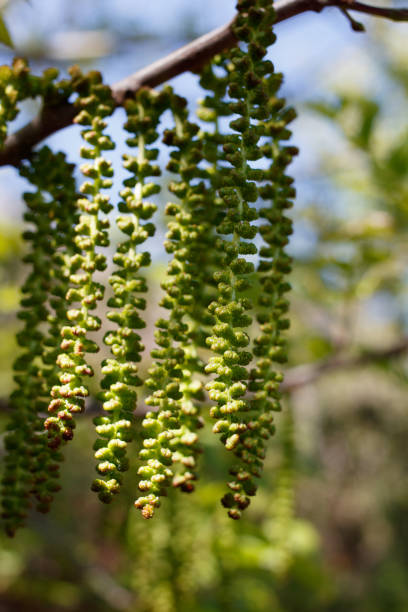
x,y
303,375
191,57
356,26
393,14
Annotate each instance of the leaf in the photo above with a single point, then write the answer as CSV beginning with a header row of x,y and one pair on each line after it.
x,y
5,37
325,109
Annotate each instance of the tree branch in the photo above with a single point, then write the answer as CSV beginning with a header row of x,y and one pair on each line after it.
x,y
303,375
295,378
191,57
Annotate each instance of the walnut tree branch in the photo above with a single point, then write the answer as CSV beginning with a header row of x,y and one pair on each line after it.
x,y
191,57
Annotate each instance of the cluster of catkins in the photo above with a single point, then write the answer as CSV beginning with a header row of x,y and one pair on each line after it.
x,y
223,295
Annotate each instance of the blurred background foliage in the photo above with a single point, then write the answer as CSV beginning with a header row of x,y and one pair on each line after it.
x,y
327,531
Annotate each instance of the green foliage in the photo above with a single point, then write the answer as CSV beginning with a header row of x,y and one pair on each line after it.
x,y
5,37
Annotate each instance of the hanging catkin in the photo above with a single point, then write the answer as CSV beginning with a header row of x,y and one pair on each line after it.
x,y
31,465
95,103
248,89
171,431
115,429
225,306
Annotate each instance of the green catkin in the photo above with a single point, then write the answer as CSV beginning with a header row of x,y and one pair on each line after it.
x,y
17,84
210,257
171,432
272,306
186,241
31,467
95,103
30,385
245,423
62,188
115,429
